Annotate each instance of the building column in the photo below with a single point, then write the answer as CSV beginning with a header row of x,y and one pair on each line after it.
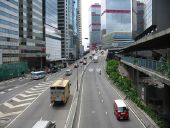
x,y
166,100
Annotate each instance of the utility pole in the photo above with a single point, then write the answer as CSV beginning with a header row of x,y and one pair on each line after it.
x,y
77,76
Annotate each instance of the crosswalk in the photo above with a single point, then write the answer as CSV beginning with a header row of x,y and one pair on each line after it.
x,y
18,103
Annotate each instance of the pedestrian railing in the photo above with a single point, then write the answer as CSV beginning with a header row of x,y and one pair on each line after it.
x,y
162,68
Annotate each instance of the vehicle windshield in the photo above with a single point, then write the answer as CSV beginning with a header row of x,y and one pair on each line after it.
x,y
122,109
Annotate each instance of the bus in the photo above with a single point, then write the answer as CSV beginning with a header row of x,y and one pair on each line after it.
x,y
60,91
121,110
38,75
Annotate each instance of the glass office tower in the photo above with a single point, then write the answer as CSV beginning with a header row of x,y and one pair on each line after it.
x,y
9,31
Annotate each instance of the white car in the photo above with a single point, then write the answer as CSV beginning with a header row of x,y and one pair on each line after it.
x,y
68,72
44,124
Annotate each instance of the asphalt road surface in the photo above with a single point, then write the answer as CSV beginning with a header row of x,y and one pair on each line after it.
x,y
27,101
96,106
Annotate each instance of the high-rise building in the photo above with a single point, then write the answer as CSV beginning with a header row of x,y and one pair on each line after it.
x,y
62,24
67,18
52,34
156,15
140,15
95,25
32,32
116,17
79,21
9,31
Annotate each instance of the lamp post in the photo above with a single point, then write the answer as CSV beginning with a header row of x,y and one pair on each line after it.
x,y
77,75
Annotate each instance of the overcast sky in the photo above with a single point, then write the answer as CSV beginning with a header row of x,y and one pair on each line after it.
x,y
85,19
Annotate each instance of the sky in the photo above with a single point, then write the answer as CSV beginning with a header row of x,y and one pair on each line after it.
x,y
85,19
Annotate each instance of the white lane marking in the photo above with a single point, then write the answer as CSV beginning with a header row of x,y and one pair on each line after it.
x,y
16,106
19,100
10,89
23,95
2,92
11,81
102,100
49,82
90,69
79,118
9,114
99,92
34,89
109,85
16,87
93,112
98,69
37,91
26,107
38,86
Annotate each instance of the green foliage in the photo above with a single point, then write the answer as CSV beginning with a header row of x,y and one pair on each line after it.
x,y
164,68
126,85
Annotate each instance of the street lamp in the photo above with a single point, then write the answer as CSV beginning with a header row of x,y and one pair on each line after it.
x,y
77,75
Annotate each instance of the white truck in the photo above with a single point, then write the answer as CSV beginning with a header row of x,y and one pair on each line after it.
x,y
95,59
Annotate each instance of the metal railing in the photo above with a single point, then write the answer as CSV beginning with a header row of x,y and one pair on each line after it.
x,y
162,68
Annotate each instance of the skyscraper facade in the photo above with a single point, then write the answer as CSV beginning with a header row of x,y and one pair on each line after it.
x,y
31,32
67,22
140,15
95,25
157,13
116,16
52,34
117,24
9,31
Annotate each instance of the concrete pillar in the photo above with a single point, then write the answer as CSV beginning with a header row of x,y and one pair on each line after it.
x,y
166,100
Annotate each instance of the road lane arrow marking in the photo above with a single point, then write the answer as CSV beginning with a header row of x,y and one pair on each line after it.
x,y
9,114
16,106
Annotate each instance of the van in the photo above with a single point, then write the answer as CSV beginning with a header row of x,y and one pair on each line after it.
x,y
60,91
44,124
121,110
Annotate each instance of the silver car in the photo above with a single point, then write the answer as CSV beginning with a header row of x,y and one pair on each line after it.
x,y
44,124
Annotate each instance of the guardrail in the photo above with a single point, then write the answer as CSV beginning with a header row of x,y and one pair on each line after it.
x,y
162,68
72,113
